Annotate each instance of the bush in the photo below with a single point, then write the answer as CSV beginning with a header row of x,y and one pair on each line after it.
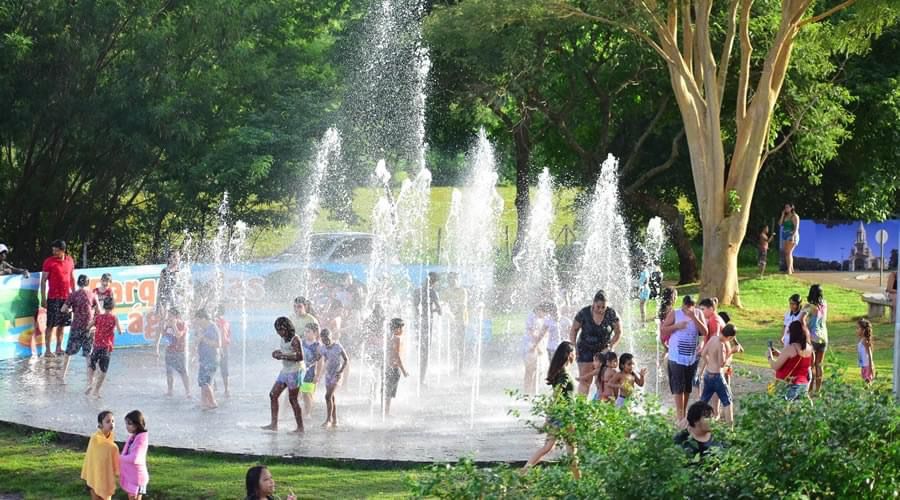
x,y
845,445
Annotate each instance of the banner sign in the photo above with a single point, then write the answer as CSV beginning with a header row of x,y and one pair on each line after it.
x,y
255,293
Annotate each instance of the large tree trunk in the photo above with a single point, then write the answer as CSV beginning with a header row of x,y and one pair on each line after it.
x,y
522,139
719,277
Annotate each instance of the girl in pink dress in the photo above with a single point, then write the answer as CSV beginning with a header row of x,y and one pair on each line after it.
x,y
133,463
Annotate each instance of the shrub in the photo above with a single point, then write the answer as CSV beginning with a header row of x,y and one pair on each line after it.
x,y
845,445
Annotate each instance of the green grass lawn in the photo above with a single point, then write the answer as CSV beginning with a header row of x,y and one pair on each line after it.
x,y
40,466
765,301
268,242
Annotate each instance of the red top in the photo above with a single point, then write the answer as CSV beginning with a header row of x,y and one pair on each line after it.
x,y
106,326
799,370
82,306
59,276
102,295
225,328
714,325
176,342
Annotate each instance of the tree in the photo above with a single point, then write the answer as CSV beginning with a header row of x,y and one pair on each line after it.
x,y
683,35
125,121
586,90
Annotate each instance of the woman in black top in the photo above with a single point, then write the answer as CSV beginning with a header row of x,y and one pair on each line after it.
x,y
558,378
600,331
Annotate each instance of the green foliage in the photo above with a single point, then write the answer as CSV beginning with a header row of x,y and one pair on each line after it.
x,y
734,202
126,121
41,438
846,444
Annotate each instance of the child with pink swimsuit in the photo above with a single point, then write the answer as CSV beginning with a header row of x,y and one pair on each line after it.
x,y
133,474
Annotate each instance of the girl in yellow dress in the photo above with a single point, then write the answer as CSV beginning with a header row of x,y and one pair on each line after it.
x,y
101,462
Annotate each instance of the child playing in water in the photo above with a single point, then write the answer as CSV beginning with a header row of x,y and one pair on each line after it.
x,y
106,324
81,303
335,363
312,360
623,382
563,389
605,364
208,343
394,364
291,357
133,461
102,292
175,336
864,350
225,330
101,461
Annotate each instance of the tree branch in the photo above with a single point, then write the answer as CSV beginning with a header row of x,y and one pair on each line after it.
x,y
725,57
673,155
827,13
799,120
744,72
629,165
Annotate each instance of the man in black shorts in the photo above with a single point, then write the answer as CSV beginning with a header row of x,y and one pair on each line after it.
x,y
57,282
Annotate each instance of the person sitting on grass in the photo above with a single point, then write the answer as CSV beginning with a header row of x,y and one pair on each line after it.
x,y
697,438
261,485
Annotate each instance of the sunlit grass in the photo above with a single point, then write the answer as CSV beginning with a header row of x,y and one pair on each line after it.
x,y
40,467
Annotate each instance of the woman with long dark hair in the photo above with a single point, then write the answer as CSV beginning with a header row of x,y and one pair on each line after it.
x,y
261,485
790,234
600,331
814,314
792,364
558,378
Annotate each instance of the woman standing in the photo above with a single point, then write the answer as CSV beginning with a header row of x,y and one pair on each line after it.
x,y
891,289
793,314
600,331
792,364
790,234
814,314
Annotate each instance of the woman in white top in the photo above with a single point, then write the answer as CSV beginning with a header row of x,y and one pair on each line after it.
x,y
793,314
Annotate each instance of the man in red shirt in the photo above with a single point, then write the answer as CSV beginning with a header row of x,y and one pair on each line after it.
x,y
58,272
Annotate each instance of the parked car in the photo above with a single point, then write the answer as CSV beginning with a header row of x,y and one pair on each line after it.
x,y
344,248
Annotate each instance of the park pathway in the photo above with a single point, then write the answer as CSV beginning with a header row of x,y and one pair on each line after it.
x,y
864,282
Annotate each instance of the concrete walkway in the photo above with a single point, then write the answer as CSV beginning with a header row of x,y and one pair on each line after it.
x,y
864,282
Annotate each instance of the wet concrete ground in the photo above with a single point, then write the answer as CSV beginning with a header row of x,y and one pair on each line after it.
x,y
435,422
436,425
